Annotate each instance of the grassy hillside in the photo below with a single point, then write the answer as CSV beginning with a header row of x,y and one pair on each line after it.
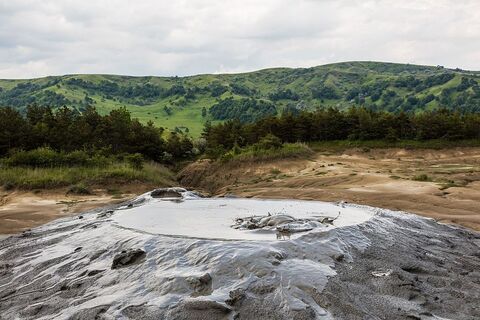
x,y
183,103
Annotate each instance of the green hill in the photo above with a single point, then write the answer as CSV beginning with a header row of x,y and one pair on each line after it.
x,y
185,103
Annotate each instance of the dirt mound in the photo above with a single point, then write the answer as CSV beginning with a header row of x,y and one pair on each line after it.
x,y
393,264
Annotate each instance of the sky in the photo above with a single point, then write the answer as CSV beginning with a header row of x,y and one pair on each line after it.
x,y
177,37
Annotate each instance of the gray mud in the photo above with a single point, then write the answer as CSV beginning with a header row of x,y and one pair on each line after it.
x,y
393,266
412,269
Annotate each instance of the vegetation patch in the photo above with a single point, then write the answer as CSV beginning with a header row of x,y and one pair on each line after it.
x,y
422,177
56,177
258,154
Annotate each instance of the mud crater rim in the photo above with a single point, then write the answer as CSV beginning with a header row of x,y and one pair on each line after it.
x,y
233,218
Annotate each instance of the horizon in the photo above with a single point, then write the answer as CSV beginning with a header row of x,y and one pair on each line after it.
x,y
234,73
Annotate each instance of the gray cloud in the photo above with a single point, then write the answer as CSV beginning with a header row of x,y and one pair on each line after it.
x,y
158,37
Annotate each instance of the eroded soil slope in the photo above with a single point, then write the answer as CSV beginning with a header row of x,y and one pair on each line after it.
x,y
442,184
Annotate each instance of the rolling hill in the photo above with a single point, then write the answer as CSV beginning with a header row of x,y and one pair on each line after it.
x,y
186,103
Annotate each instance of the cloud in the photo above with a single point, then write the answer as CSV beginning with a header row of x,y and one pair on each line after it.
x,y
158,37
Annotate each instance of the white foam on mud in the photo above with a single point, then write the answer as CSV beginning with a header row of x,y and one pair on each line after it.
x,y
212,218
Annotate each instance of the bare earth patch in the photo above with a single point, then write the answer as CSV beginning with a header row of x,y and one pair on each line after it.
x,y
21,210
383,178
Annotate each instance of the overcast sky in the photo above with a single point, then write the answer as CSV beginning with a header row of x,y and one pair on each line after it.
x,y
157,37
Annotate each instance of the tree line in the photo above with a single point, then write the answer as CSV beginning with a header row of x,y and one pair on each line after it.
x,y
356,123
67,130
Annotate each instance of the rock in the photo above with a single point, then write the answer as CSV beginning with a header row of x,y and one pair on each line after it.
x,y
205,279
167,193
201,285
339,257
80,217
236,296
136,202
327,220
127,257
105,214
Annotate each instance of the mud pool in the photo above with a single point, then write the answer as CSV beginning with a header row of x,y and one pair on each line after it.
x,y
213,218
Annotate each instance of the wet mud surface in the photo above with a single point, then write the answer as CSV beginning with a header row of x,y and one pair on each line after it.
x,y
392,265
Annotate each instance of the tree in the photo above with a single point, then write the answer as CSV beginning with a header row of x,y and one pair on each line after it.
x,y
13,130
167,110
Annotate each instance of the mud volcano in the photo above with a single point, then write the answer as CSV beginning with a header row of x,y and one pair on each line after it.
x,y
171,254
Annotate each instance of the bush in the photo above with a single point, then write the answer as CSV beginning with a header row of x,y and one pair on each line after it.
x,y
422,177
227,156
214,153
41,157
76,158
269,142
135,160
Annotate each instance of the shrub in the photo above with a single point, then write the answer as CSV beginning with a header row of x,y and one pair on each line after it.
x,y
76,158
269,142
40,157
227,156
422,177
214,153
135,160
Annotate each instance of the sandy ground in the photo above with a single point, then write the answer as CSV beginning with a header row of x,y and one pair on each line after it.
x,y
379,177
20,210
